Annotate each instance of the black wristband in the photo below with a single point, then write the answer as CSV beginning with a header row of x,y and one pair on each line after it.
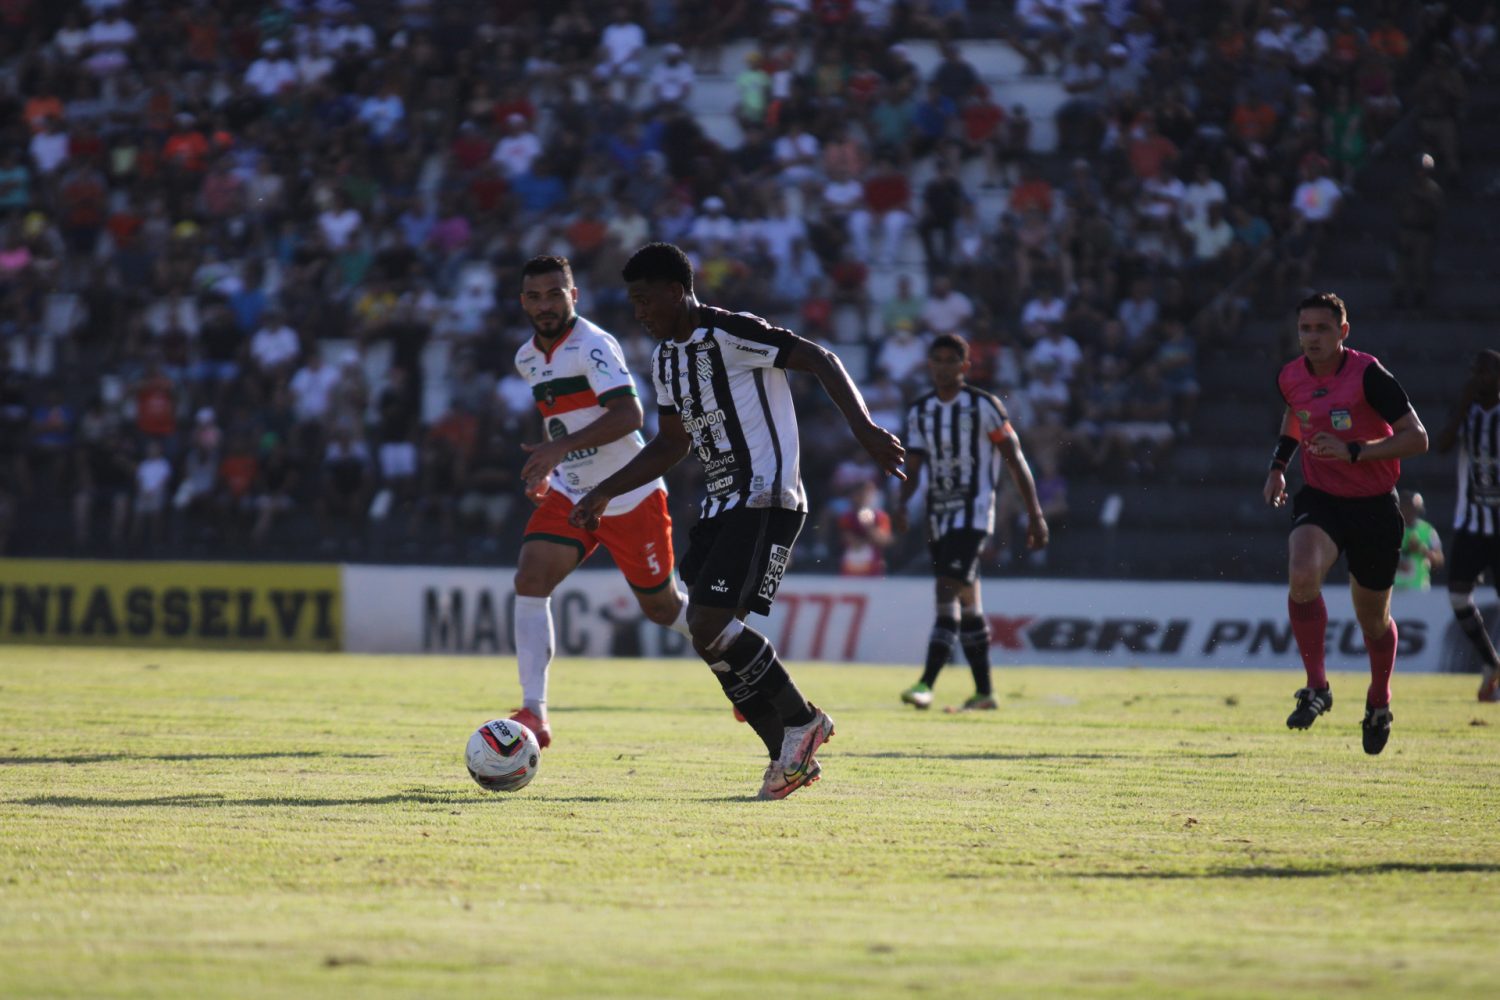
x,y
1286,447
1354,449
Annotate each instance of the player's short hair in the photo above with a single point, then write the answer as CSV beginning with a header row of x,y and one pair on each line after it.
x,y
659,262
546,263
952,342
1329,301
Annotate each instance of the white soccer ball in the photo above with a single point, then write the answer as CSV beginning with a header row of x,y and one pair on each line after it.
x,y
503,756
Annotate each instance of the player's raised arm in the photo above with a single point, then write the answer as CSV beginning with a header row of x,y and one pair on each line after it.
x,y
666,449
825,366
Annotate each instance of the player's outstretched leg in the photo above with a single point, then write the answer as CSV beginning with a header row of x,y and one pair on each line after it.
x,y
1469,619
974,637
939,651
1309,627
1376,727
534,645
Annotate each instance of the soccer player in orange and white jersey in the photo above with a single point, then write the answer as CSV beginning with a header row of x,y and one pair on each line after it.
x,y
592,416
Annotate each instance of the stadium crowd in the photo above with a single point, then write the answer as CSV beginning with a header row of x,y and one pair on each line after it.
x,y
259,263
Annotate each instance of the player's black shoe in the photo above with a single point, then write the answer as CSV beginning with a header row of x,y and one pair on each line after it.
x,y
1311,703
1376,728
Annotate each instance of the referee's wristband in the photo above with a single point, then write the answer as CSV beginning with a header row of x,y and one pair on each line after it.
x,y
1286,447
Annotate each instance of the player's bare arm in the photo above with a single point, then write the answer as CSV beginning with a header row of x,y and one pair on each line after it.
x,y
824,365
1409,438
1009,446
1274,490
623,416
670,445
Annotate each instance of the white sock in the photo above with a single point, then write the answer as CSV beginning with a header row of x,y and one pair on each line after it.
x,y
533,650
680,625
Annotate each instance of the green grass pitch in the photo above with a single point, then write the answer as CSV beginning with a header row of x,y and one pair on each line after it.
x,y
180,824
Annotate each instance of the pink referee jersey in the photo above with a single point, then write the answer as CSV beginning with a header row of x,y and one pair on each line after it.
x,y
1359,401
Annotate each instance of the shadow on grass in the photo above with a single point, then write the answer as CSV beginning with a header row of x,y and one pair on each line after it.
x,y
1325,871
104,758
210,800
892,755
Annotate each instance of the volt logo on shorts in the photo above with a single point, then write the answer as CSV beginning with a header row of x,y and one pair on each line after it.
x,y
722,587
775,570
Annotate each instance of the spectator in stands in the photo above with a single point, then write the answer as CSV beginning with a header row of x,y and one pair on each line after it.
x,y
947,309
943,199
1419,214
347,482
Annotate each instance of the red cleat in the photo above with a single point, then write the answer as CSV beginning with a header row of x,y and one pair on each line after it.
x,y
738,715
538,727
1490,689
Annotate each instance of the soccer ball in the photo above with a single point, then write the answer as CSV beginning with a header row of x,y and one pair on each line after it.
x,y
503,756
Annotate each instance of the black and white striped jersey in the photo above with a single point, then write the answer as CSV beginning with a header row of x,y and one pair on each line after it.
x,y
963,463
1478,508
727,382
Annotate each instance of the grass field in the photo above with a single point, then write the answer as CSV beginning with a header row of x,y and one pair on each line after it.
x,y
235,825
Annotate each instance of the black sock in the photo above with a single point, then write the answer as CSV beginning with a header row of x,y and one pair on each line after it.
x,y
974,635
939,648
758,711
1472,622
753,660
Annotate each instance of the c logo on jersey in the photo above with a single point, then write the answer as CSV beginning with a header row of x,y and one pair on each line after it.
x,y
1341,420
597,357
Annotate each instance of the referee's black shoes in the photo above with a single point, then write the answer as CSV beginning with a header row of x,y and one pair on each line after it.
x,y
1377,728
1311,703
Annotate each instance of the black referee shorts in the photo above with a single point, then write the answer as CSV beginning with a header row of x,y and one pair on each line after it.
x,y
736,559
1367,530
1472,555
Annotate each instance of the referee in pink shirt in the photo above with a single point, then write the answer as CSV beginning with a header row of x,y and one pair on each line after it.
x,y
1354,424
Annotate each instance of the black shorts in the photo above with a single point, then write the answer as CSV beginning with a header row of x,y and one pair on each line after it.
x,y
737,559
1472,555
1367,530
955,555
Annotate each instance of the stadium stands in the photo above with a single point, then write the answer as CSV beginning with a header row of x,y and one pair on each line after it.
x,y
195,199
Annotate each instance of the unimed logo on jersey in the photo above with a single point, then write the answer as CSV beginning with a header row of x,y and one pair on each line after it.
x,y
771,582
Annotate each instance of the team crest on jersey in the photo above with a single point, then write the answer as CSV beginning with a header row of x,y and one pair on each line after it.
x,y
705,369
1341,420
549,395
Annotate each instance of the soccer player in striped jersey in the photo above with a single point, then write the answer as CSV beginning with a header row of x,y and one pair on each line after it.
x,y
1475,425
722,392
592,419
961,435
1354,424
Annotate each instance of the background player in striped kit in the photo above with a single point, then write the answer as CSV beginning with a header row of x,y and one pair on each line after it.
x,y
1355,424
1475,424
722,391
592,418
961,434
